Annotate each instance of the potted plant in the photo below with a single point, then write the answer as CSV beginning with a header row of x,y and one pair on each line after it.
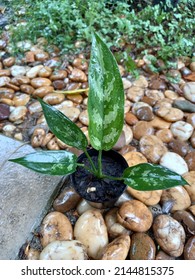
x,y
100,175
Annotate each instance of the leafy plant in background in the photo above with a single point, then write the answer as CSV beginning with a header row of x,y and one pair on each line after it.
x,y
62,22
106,118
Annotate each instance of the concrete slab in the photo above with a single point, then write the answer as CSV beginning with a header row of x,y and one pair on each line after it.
x,y
25,197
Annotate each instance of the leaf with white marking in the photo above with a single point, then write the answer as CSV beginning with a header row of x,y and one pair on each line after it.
x,y
49,162
150,177
106,97
63,128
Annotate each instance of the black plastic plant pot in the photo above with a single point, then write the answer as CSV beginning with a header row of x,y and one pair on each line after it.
x,y
100,193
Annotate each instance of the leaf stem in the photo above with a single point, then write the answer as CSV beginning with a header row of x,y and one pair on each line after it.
x,y
100,164
71,91
91,162
112,178
85,167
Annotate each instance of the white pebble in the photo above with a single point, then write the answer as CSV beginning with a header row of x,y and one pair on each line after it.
x,y
174,162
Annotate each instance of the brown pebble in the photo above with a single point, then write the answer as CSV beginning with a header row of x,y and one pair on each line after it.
x,y
67,200
144,114
59,84
142,247
179,147
190,160
42,91
27,89
130,118
8,62
142,128
163,256
135,215
186,219
40,82
189,249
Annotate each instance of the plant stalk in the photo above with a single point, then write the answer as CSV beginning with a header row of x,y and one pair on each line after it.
x,y
100,164
91,162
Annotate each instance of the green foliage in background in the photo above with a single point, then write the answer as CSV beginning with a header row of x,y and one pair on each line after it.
x,y
63,22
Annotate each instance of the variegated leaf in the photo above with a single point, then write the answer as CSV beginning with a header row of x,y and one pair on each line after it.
x,y
63,128
49,162
106,97
149,177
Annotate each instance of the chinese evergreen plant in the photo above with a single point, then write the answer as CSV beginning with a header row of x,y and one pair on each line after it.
x,y
106,119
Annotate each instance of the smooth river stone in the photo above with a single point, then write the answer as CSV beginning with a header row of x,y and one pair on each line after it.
x,y
17,70
135,215
174,162
33,72
141,129
4,111
90,229
117,249
189,91
152,148
142,247
54,98
43,91
135,93
40,82
141,82
190,178
67,200
55,226
134,158
64,250
4,80
20,80
189,249
182,130
18,114
78,75
179,196
27,89
114,228
21,100
179,147
147,197
169,234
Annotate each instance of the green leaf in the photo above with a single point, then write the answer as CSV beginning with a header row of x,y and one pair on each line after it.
x,y
106,97
149,177
49,162
63,128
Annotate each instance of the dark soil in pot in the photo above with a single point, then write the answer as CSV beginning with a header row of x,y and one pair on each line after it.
x,y
100,190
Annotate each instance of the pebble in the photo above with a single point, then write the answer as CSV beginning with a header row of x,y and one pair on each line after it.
x,y
20,80
171,94
27,89
191,119
159,123
126,83
41,56
141,81
189,249
144,113
83,206
130,118
190,160
4,80
4,111
154,94
169,234
174,162
33,72
114,228
18,114
71,112
17,70
90,229
165,135
121,142
135,93
186,219
64,250
179,147
80,63
67,200
134,158
152,148
76,98
21,100
165,110
141,129
43,72
54,98
135,215
128,134
5,72
117,249
9,129
43,91
182,130
179,196
40,82
83,117
9,62
163,256
55,226
189,91
58,75
6,92
190,178
142,247
78,75
149,198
